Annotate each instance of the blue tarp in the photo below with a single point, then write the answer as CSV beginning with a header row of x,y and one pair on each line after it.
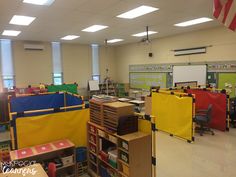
x,y
73,100
38,102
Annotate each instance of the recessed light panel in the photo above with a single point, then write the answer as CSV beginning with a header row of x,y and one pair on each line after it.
x,y
10,33
39,2
144,33
94,28
70,37
21,20
139,11
194,22
114,40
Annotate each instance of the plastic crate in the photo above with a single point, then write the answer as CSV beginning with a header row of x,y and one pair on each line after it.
x,y
3,128
81,154
67,160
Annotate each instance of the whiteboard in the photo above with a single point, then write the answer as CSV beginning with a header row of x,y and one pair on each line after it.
x,y
190,73
93,85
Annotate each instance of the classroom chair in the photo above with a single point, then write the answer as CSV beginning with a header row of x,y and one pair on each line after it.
x,y
52,169
203,118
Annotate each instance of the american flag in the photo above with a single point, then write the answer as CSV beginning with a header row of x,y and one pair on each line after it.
x,y
225,12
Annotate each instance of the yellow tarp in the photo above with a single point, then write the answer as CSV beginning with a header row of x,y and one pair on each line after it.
x,y
173,114
145,126
42,129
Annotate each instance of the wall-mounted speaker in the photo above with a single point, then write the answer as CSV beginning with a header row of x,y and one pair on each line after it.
x,y
150,54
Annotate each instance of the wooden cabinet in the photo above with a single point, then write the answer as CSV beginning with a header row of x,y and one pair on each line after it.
x,y
121,156
134,154
61,152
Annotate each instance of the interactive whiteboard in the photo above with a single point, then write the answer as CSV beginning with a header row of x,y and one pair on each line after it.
x,y
190,73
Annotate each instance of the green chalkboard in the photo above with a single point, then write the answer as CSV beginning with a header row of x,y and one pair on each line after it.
x,y
227,81
144,80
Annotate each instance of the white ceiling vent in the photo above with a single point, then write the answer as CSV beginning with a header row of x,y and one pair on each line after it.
x,y
33,47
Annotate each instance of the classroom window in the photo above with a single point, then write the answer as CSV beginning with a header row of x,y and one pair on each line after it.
x,y
57,63
95,62
8,82
8,77
57,78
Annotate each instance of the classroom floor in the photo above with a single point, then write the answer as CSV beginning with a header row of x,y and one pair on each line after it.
x,y
208,156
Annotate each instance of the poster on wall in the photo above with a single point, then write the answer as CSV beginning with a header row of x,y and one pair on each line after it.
x,y
144,80
227,81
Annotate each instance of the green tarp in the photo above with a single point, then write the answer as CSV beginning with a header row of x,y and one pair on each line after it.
x,y
72,88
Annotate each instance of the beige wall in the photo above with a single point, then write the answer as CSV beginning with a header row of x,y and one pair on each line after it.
x,y
77,66
223,41
32,66
77,63
107,61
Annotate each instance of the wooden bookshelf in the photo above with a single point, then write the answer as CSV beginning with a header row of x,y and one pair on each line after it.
x,y
137,147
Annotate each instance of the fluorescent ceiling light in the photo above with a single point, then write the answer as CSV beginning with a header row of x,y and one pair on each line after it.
x,y
139,11
194,22
70,37
10,33
144,33
94,28
114,40
39,2
21,20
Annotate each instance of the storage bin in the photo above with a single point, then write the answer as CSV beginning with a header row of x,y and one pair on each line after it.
x,y
67,160
92,138
81,154
112,155
127,124
92,157
92,148
101,133
124,157
112,163
112,139
104,156
112,158
125,145
92,129
125,169
3,128
103,171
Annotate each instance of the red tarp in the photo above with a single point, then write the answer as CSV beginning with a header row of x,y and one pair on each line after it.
x,y
218,101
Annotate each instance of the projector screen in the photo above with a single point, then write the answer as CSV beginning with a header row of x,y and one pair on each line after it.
x,y
190,73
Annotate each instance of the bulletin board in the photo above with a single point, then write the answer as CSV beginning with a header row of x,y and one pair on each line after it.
x,y
226,80
144,80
